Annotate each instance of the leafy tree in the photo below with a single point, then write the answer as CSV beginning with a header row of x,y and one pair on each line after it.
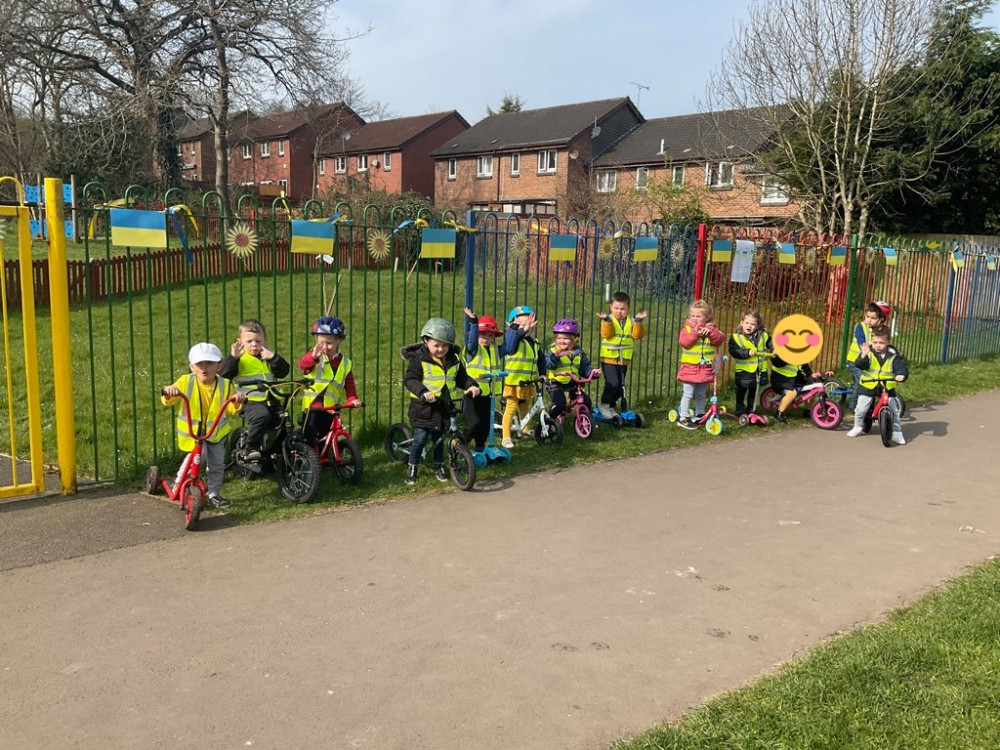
x,y
510,103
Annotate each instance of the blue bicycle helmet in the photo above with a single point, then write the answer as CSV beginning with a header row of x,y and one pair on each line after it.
x,y
330,326
519,310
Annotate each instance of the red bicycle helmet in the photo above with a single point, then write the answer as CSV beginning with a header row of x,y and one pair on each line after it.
x,y
885,308
488,324
566,325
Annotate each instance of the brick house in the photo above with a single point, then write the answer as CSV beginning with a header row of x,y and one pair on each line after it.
x,y
711,152
196,152
530,162
390,155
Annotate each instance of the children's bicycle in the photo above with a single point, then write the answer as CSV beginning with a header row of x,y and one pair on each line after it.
x,y
711,418
189,491
842,392
458,457
880,411
547,430
337,448
825,412
285,451
576,406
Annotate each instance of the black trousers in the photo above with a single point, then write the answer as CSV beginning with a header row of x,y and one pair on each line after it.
x,y
614,382
258,418
316,425
749,386
478,420
560,398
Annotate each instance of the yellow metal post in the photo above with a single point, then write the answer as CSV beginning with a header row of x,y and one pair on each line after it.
x,y
62,364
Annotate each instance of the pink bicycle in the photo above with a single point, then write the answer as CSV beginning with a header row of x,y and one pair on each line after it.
x,y
577,409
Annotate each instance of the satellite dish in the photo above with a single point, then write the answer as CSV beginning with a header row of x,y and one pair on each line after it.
x,y
573,154
596,131
347,136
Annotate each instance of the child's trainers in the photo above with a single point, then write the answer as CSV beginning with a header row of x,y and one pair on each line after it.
x,y
780,416
606,411
411,474
218,501
507,443
898,439
253,454
855,432
440,474
688,423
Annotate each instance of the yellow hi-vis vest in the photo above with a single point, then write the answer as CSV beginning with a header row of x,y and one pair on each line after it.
x,y
329,384
702,352
621,343
869,378
854,351
250,371
567,365
522,364
757,363
485,362
201,424
436,378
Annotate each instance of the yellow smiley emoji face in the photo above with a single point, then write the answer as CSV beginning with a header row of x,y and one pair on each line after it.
x,y
797,339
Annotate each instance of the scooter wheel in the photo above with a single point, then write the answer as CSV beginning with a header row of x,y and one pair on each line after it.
x,y
640,420
673,415
616,422
713,426
152,479
744,420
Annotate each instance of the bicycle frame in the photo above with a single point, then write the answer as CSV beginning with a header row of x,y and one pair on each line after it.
x,y
330,442
521,425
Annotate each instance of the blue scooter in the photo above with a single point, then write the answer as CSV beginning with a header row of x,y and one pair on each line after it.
x,y
491,452
624,418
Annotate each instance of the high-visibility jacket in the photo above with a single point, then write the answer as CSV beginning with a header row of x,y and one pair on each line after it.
x,y
329,384
486,361
437,377
854,350
251,370
780,367
757,363
876,371
702,352
567,364
522,364
621,344
202,423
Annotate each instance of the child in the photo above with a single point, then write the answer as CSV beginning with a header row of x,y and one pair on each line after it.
x,y
564,360
882,361
699,339
619,333
333,381
434,376
250,362
481,357
525,363
206,391
877,313
787,380
748,347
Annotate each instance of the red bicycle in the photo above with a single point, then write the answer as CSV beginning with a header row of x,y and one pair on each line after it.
x,y
338,449
881,411
190,491
576,407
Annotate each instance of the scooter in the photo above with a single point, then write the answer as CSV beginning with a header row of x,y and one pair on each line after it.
x,y
491,452
624,418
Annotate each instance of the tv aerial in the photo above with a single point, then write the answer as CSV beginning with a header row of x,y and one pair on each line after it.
x,y
638,91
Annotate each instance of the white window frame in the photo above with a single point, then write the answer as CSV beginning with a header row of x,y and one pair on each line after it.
x,y
773,192
340,164
716,173
547,161
281,148
283,184
265,149
452,169
362,162
642,178
515,164
677,174
247,150
607,181
322,166
484,165
387,161
180,149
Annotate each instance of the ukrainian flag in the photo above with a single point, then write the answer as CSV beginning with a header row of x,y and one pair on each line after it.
x,y
645,248
437,243
991,262
131,227
891,258
563,247
786,253
957,259
837,255
722,251
313,237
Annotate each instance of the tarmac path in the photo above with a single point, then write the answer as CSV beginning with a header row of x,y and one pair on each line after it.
x,y
561,611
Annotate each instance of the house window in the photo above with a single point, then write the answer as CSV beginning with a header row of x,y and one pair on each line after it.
x,y
719,174
283,184
607,181
322,166
180,149
515,164
642,178
452,168
247,153
677,175
547,161
363,162
265,148
340,164
484,166
773,191
281,148
386,162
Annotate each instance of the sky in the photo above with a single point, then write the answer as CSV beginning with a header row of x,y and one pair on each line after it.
x,y
426,56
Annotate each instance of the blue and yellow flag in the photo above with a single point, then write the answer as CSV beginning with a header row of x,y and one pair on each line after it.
x,y
722,251
786,253
563,247
991,262
891,258
131,227
437,243
957,260
837,255
313,237
645,249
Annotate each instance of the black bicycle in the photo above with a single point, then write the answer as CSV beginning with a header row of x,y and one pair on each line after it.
x,y
458,457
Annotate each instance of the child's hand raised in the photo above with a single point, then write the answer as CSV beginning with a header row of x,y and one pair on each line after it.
x,y
641,316
237,348
865,350
317,351
530,323
266,353
470,314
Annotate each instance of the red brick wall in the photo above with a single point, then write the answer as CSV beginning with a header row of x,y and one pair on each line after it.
x,y
420,172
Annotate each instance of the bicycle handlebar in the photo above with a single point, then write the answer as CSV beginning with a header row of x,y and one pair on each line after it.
x,y
580,381
341,407
187,413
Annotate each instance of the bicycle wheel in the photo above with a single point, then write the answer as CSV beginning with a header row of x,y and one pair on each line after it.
x,y
836,390
350,466
299,477
193,500
397,443
826,414
583,425
713,426
236,445
885,426
769,399
461,465
553,430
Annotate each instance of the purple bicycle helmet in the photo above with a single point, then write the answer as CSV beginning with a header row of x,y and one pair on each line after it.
x,y
567,325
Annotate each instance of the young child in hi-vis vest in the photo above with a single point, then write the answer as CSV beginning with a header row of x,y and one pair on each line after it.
x,y
206,392
524,363
619,332
876,314
482,356
251,362
748,348
700,340
564,360
333,380
880,364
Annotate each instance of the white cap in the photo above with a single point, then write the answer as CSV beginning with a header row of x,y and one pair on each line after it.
x,y
204,352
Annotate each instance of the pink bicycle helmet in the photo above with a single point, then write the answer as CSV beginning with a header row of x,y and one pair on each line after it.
x,y
566,325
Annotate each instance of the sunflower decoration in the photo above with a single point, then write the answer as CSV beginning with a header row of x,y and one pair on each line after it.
x,y
809,258
518,246
379,246
606,247
241,240
677,252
